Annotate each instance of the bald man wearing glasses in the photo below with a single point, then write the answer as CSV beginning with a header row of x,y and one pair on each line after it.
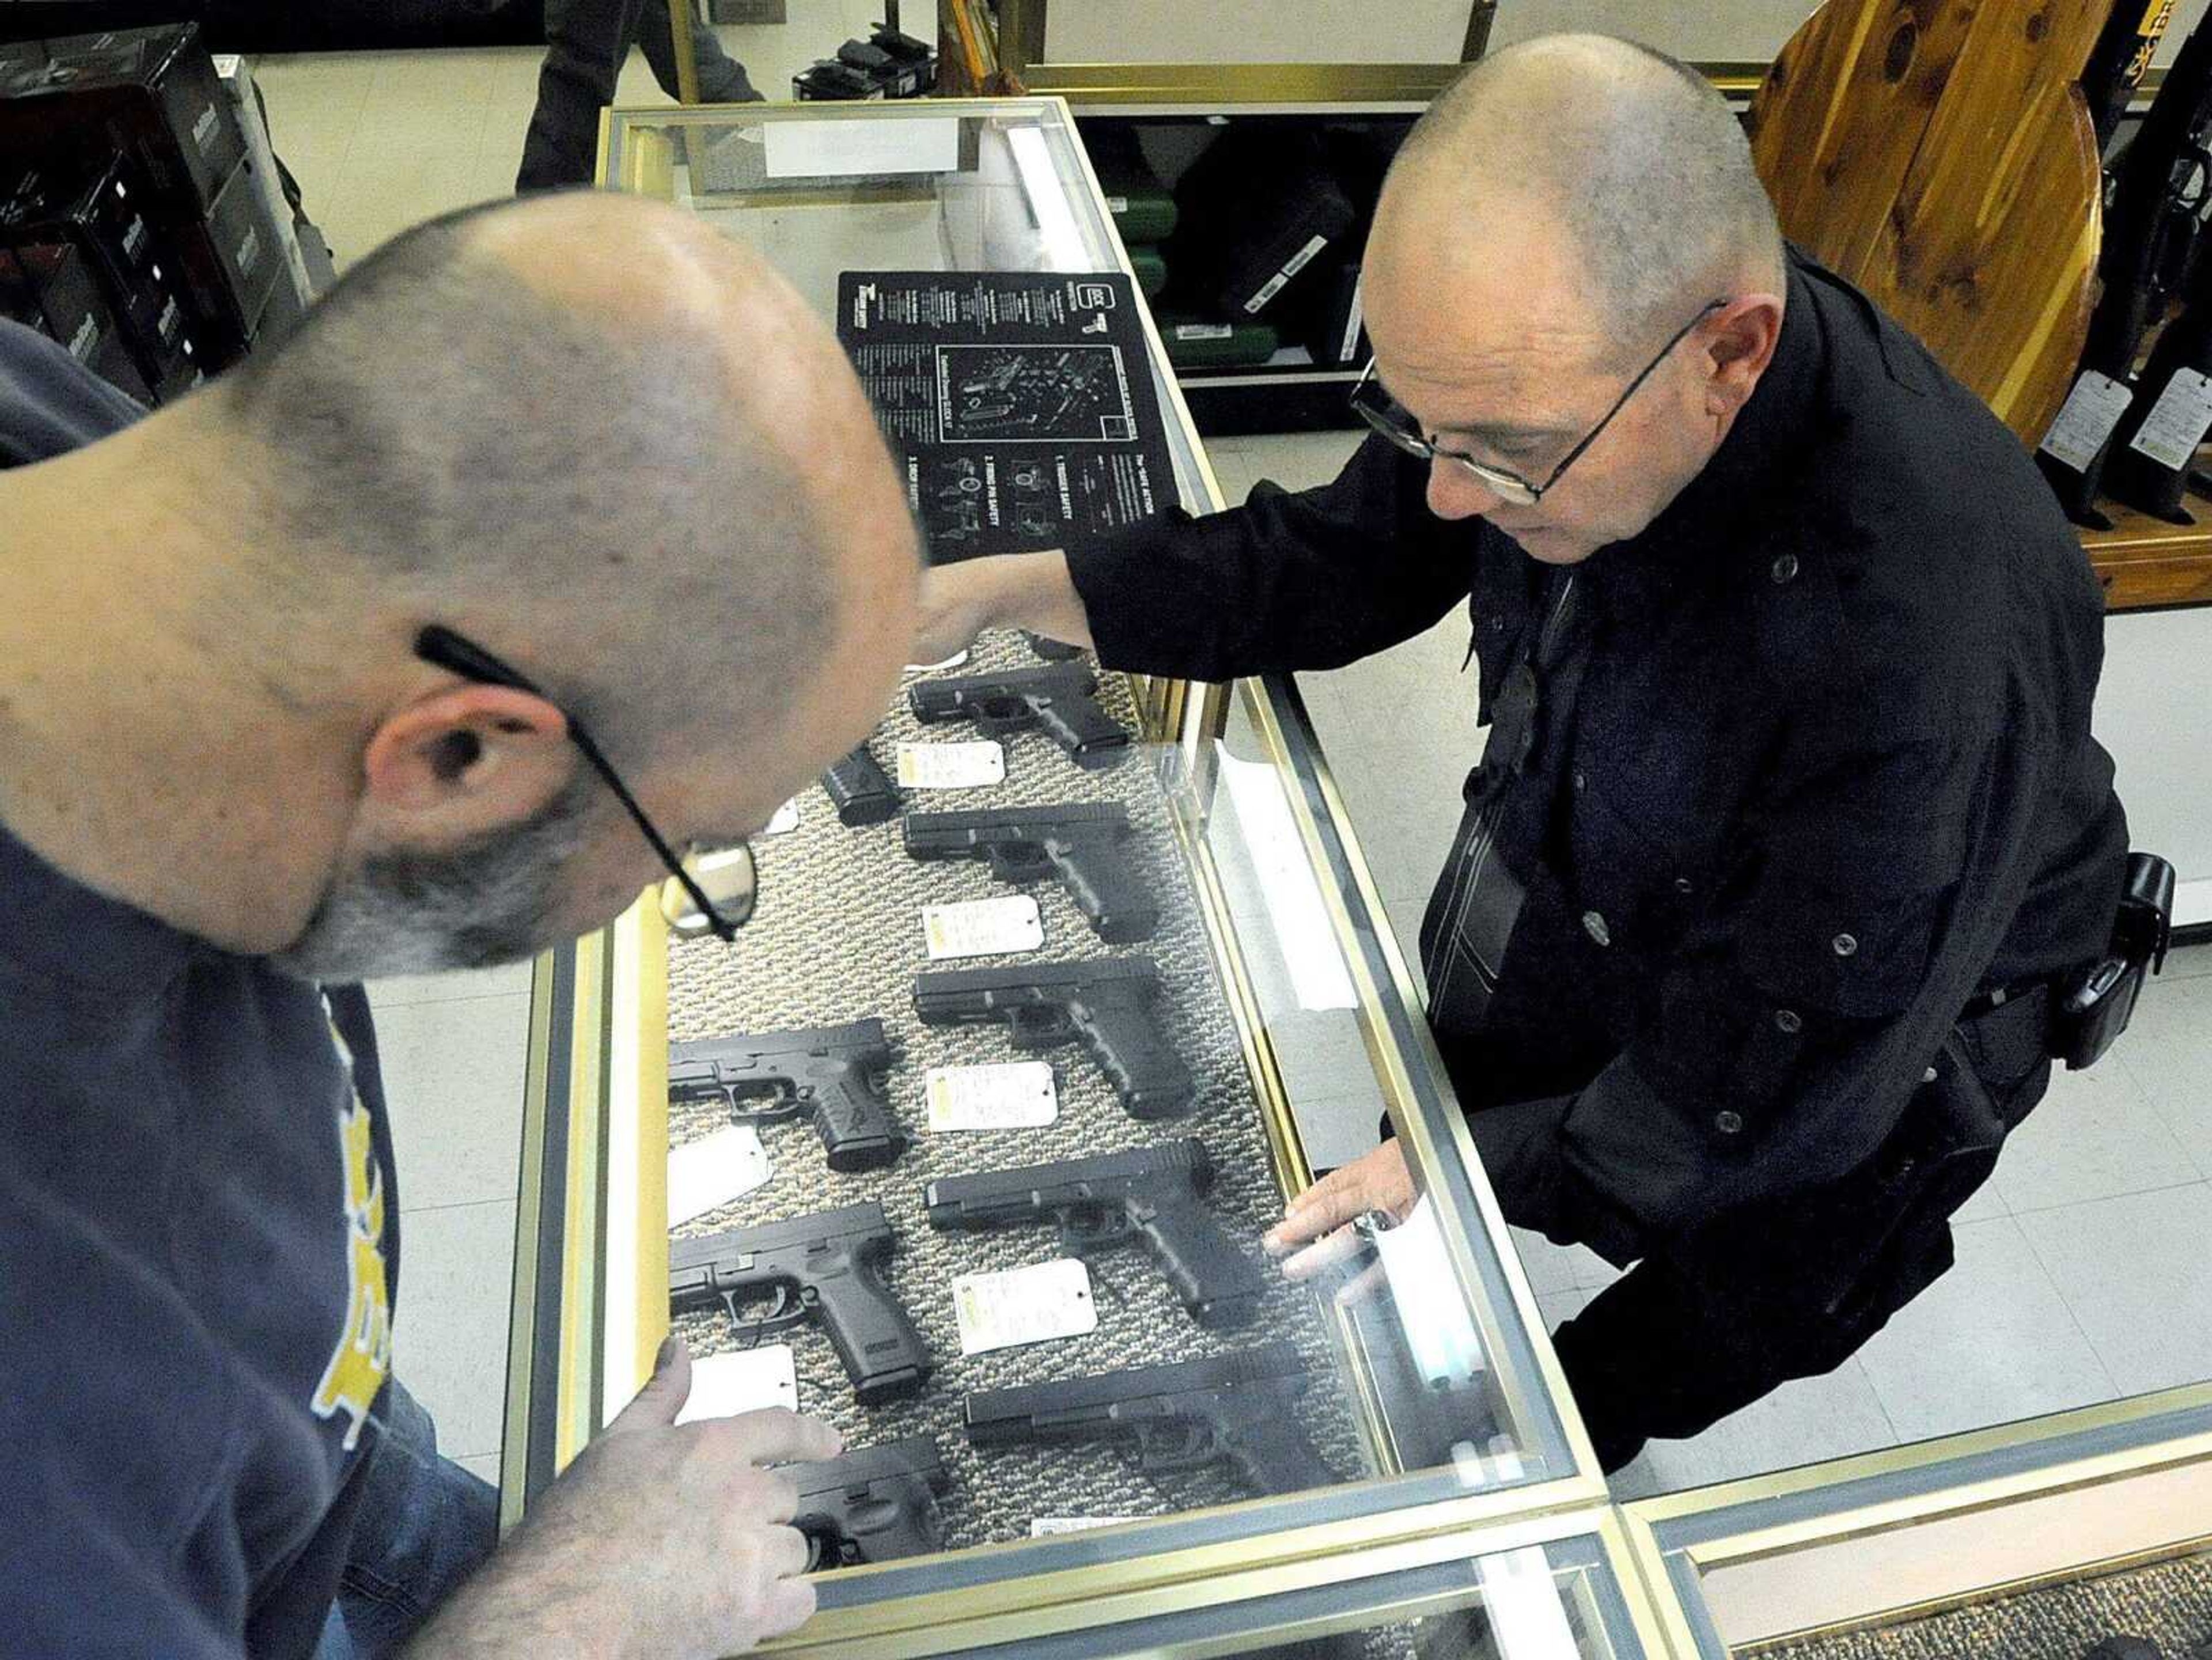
x,y
557,540
1789,816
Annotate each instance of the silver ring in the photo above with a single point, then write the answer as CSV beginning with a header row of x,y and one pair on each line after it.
x,y
1369,1225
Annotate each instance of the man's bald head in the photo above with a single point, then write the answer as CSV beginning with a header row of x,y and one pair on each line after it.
x,y
613,441
1630,156
616,450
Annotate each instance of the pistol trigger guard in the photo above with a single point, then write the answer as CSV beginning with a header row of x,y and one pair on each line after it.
x,y
775,1107
1193,1450
785,1312
1092,1229
1039,1028
1018,863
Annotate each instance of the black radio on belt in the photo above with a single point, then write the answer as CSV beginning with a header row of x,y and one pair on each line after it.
x,y
2092,1009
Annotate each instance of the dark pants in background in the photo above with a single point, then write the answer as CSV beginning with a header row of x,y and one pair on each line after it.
x,y
586,42
1792,1288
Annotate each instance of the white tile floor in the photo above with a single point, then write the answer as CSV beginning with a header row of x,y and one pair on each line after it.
x,y
2082,1269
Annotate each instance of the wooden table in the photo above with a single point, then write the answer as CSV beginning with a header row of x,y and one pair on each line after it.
x,y
2144,561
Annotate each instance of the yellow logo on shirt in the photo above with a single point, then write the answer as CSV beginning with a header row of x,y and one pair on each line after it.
x,y
363,1356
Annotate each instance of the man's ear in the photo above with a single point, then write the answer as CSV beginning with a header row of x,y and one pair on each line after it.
x,y
467,758
1738,342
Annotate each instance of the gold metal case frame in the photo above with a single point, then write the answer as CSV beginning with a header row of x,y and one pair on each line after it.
x,y
1515,1544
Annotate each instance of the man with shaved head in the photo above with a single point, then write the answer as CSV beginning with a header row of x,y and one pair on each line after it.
x,y
1788,818
559,539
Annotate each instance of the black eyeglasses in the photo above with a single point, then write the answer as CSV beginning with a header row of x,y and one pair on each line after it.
x,y
732,868
1388,417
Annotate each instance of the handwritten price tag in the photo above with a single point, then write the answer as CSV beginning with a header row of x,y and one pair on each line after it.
x,y
1017,1306
1016,1095
983,928
951,766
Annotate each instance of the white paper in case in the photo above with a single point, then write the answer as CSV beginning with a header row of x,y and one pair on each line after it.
x,y
1044,1526
1014,1095
951,766
1016,1306
983,928
723,1385
712,1170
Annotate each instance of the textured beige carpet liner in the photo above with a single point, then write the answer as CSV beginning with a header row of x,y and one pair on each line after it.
x,y
838,936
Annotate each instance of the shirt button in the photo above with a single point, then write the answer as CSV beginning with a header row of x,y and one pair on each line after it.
x,y
1787,1020
1728,1124
1928,1076
1682,884
1580,781
1593,925
1785,568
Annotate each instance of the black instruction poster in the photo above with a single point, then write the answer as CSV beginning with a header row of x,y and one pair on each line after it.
x,y
1019,402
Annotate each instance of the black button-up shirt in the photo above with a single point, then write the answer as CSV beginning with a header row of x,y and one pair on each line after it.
x,y
1826,774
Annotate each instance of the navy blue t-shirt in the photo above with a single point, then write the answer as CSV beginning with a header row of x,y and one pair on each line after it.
x,y
198,1245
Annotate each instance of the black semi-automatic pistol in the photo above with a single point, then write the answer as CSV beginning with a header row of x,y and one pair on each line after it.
x,y
824,1266
1105,1004
1058,697
875,1504
832,1075
1155,1195
1237,1409
1078,841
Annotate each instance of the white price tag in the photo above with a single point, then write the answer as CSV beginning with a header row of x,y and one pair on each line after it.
x,y
957,661
723,1385
1044,1526
2092,410
1035,1305
1203,331
983,928
1297,263
784,821
951,766
1019,1095
2175,426
1117,205
714,1169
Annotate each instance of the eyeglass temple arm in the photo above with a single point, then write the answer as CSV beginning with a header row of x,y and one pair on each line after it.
x,y
445,649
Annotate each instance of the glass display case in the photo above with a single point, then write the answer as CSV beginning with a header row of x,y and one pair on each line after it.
x,y
2033,1538
1193,1413
1085,1414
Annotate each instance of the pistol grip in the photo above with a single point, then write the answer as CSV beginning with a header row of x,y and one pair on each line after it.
x,y
882,1352
1145,1073
1093,738
858,1130
1217,1282
1273,1454
1105,890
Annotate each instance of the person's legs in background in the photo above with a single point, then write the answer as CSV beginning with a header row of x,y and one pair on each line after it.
x,y
585,41
722,79
423,1525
